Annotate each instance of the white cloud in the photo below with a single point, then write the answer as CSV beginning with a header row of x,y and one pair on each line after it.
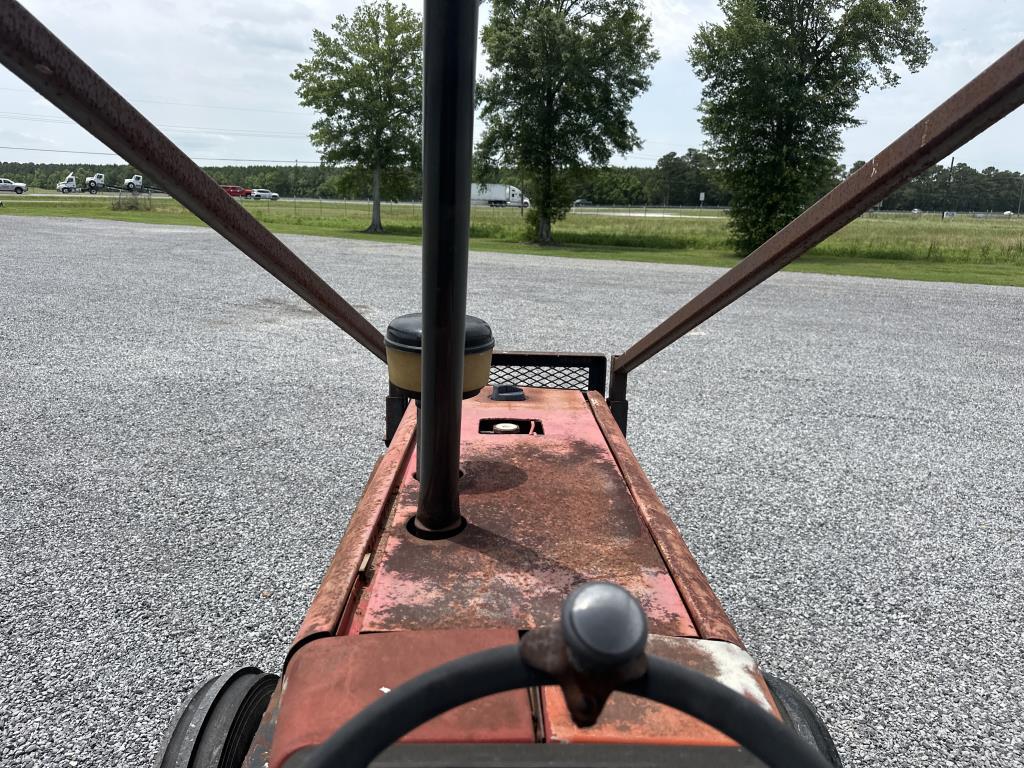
x,y
232,58
675,23
968,38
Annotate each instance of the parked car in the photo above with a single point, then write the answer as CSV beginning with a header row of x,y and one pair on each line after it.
x,y
236,191
264,194
17,187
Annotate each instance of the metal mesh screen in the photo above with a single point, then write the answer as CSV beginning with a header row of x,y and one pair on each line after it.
x,y
543,376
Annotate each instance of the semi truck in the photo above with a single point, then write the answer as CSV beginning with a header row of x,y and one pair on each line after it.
x,y
92,184
498,196
68,185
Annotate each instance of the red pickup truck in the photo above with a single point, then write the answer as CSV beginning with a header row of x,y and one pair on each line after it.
x,y
236,191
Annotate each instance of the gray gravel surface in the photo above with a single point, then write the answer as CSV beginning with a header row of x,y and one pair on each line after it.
x,y
181,442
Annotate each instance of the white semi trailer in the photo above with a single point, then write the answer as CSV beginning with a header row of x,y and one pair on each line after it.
x,y
498,196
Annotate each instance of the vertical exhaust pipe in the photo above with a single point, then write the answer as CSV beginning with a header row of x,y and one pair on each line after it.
x,y
449,61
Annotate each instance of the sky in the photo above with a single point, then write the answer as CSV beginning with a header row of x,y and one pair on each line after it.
x,y
214,75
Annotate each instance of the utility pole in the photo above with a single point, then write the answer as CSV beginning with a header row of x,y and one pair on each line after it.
x,y
1020,198
949,183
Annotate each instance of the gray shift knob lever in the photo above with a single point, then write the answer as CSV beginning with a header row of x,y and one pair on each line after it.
x,y
603,626
597,647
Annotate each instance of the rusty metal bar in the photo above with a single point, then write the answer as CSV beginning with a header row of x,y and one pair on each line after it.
x,y
706,612
617,401
339,589
988,98
39,58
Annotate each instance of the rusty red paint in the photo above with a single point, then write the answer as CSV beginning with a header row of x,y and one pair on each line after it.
x,y
332,679
545,512
704,608
632,720
336,595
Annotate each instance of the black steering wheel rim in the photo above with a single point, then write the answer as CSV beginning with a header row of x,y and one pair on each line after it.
x,y
436,691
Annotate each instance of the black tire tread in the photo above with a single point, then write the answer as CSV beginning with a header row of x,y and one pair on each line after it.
x,y
801,715
216,726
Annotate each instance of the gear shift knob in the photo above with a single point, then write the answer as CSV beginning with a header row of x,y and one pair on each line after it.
x,y
603,626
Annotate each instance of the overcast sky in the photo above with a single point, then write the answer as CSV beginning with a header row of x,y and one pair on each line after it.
x,y
215,76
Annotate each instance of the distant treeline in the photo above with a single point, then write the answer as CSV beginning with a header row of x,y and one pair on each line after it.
x,y
676,180
287,181
958,189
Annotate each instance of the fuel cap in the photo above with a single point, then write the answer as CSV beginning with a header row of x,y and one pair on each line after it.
x,y
603,625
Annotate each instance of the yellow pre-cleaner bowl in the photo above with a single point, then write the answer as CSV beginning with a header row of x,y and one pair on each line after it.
x,y
404,342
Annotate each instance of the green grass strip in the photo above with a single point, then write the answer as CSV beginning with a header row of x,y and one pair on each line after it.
x,y
987,251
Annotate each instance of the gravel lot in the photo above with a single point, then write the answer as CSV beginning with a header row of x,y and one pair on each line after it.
x,y
181,442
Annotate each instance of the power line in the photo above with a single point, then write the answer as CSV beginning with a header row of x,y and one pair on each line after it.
x,y
186,104
60,151
243,132
204,159
54,119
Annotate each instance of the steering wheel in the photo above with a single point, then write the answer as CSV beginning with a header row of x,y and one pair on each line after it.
x,y
597,647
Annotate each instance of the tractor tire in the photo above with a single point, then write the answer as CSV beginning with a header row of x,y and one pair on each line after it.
x,y
92,185
64,190
803,718
131,186
92,190
216,726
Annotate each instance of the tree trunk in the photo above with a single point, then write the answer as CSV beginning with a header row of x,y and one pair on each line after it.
x,y
543,211
544,230
375,225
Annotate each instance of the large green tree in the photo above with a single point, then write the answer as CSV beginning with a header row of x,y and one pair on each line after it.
x,y
563,76
781,81
366,81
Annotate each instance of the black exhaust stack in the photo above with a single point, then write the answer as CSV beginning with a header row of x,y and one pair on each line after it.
x,y
449,60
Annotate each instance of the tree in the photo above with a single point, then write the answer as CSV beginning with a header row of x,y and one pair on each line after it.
x,y
781,81
563,75
683,177
366,81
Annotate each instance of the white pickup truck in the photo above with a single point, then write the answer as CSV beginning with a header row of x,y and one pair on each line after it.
x,y
17,187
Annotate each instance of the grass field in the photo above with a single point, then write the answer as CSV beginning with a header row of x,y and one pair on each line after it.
x,y
966,249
